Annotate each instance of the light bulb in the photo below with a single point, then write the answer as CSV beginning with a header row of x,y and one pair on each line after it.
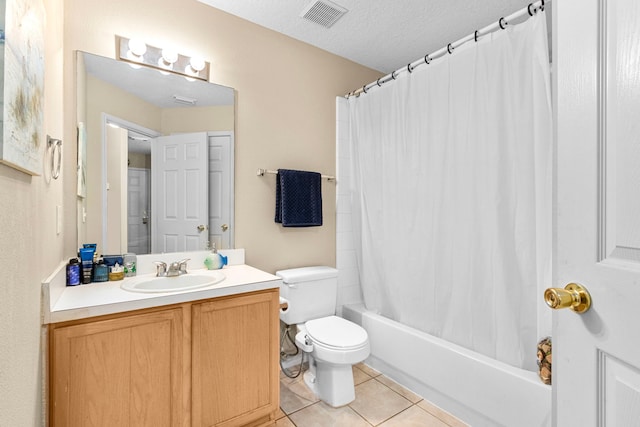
x,y
197,64
164,65
137,47
169,55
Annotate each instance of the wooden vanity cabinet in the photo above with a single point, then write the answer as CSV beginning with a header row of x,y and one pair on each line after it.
x,y
235,379
205,363
122,371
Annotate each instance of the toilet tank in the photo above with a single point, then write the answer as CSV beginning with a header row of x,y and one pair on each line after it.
x,y
310,291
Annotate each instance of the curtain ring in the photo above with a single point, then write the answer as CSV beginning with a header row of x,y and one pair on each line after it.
x,y
427,60
364,88
378,82
542,6
475,36
393,75
529,9
449,48
500,23
409,69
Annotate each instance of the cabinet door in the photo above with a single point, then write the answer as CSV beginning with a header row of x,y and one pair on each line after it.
x,y
125,371
235,360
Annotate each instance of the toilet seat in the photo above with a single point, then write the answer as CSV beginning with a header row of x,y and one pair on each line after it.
x,y
336,333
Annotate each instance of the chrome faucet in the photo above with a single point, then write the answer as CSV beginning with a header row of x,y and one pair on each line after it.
x,y
161,268
176,268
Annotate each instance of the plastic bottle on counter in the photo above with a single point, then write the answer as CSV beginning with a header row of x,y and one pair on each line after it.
x,y
73,272
100,271
86,255
130,261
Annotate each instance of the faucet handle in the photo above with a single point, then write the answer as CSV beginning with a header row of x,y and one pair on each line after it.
x,y
161,268
183,265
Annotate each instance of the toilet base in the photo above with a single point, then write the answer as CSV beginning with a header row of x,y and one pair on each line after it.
x,y
333,384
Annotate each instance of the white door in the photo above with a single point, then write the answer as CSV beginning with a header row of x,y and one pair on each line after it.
x,y
596,355
221,189
138,210
180,187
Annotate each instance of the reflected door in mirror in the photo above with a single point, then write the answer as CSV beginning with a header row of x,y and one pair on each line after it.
x,y
138,207
220,189
179,173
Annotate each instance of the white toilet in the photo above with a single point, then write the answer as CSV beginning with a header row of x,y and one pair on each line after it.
x,y
332,343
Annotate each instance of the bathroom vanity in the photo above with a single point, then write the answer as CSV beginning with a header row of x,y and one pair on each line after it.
x,y
207,357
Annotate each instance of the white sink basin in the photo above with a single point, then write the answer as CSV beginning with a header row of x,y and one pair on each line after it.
x,y
173,284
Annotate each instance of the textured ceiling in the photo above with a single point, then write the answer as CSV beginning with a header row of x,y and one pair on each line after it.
x,y
381,34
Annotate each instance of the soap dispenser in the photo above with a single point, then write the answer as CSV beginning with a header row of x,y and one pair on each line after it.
x,y
214,260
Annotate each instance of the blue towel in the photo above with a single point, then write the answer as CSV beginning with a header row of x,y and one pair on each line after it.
x,y
298,198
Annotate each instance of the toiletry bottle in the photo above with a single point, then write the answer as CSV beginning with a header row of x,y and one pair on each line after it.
x,y
130,261
86,255
73,272
100,271
214,260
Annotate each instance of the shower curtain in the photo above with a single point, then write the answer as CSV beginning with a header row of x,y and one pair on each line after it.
x,y
451,193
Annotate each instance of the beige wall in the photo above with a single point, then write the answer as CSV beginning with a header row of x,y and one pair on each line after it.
x,y
30,249
285,119
197,119
138,160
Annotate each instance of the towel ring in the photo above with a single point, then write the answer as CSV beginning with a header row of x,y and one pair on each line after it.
x,y
55,145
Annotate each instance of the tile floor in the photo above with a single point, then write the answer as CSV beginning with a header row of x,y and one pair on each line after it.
x,y
379,402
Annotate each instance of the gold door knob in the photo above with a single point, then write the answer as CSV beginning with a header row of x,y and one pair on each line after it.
x,y
573,296
202,228
224,227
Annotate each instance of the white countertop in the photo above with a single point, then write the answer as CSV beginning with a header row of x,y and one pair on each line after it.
x,y
96,299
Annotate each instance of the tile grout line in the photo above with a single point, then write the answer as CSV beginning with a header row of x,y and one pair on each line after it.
x,y
376,378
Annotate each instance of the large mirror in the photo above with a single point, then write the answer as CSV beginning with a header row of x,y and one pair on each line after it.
x,y
155,159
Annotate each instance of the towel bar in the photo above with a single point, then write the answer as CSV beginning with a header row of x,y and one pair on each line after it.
x,y
261,172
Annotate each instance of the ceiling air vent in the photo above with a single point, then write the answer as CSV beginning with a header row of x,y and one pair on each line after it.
x,y
323,12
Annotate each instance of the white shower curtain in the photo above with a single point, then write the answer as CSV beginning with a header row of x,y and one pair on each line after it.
x,y
451,193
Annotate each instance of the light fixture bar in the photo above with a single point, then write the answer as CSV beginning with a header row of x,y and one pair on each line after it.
x,y
152,57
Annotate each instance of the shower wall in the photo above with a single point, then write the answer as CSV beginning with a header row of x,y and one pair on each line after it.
x,y
349,291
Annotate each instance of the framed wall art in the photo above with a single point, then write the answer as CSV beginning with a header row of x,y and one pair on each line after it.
x,y
22,70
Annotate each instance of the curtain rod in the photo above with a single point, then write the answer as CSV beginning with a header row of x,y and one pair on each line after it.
x,y
502,23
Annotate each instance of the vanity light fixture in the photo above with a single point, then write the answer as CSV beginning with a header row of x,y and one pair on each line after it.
x,y
163,59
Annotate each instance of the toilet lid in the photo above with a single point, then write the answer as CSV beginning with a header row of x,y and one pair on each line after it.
x,y
335,331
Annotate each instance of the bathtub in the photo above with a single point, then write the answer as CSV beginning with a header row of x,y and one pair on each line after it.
x,y
475,388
